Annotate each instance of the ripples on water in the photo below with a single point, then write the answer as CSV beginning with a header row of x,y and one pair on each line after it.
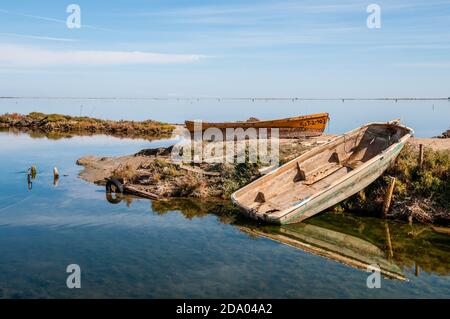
x,y
187,248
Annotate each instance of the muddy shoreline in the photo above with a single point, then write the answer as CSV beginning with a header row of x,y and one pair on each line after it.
x,y
154,171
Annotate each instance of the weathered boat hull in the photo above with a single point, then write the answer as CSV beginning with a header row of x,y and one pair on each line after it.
x,y
300,200
308,125
347,188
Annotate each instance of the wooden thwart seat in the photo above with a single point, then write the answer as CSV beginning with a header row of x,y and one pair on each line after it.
x,y
260,198
301,174
322,172
353,164
314,175
318,169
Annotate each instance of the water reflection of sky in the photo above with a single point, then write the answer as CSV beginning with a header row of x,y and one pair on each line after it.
x,y
134,251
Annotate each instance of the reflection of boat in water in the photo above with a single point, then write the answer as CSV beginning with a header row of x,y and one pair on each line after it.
x,y
356,241
340,247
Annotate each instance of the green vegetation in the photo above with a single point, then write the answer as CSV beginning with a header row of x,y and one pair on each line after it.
x,y
197,208
36,116
237,176
421,194
124,173
164,169
432,181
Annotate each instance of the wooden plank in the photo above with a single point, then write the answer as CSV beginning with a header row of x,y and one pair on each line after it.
x,y
441,230
135,191
197,170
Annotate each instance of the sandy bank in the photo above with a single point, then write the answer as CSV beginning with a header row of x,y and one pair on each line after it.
x,y
437,144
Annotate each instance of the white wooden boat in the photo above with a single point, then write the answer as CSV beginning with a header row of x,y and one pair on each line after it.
x,y
324,176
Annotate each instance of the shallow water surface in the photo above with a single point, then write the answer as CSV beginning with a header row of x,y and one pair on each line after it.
x,y
187,248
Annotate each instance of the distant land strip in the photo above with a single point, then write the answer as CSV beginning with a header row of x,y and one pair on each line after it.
x,y
229,98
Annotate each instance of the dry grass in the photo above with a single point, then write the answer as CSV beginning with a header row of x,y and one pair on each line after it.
x,y
126,172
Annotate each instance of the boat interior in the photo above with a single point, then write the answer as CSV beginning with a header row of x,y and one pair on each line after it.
x,y
316,170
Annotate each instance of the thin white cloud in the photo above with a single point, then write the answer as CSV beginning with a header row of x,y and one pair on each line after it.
x,y
26,56
272,11
287,7
49,19
37,37
220,13
432,65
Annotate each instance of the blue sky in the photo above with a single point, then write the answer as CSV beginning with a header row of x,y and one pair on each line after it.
x,y
226,48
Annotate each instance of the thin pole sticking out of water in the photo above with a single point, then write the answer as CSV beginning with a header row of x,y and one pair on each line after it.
x,y
388,197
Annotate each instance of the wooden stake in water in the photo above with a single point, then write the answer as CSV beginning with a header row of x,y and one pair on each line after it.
x,y
388,197
389,242
30,183
33,171
55,176
421,149
55,172
410,220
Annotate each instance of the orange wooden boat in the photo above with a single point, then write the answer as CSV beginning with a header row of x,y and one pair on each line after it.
x,y
299,126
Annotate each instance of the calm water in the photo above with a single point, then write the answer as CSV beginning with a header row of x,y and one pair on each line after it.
x,y
185,248
427,118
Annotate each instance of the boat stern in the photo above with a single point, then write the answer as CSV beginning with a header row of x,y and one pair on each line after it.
x,y
254,214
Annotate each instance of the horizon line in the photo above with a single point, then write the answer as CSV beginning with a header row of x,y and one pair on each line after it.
x,y
233,98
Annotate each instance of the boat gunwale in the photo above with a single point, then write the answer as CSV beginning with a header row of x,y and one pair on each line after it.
x,y
336,183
